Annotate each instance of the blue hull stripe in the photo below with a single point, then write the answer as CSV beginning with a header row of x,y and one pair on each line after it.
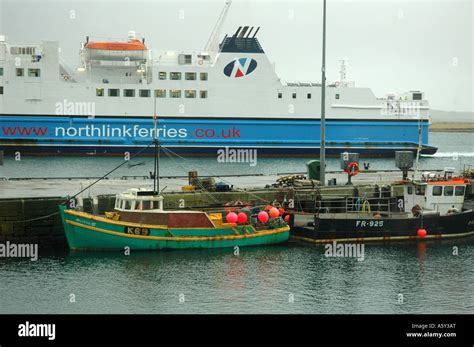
x,y
74,134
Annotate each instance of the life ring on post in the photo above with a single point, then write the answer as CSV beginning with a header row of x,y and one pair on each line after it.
x,y
66,78
352,168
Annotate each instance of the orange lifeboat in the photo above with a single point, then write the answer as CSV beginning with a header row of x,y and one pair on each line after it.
x,y
134,45
131,50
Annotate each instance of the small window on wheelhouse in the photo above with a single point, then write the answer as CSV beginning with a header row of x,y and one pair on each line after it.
x,y
409,190
420,190
128,205
155,205
459,190
437,190
146,205
448,190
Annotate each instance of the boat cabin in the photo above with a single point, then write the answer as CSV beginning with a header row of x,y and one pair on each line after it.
x,y
439,194
139,200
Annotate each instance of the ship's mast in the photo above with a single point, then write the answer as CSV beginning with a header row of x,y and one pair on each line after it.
x,y
156,178
212,44
322,177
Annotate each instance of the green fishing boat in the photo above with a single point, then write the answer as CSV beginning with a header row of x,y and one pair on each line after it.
x,y
139,222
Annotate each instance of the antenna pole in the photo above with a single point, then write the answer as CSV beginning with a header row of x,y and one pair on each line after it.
x,y
420,145
156,180
322,155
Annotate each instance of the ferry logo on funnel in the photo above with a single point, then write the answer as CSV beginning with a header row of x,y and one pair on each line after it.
x,y
240,67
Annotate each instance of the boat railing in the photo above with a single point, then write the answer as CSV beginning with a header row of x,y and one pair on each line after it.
x,y
382,206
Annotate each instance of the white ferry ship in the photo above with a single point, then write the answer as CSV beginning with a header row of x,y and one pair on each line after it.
x,y
227,95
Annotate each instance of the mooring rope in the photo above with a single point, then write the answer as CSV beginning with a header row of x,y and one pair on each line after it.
x,y
108,173
32,219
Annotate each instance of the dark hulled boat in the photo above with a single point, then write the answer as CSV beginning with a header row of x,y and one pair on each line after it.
x,y
432,208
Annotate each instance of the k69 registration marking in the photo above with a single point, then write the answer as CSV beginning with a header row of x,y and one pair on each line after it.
x,y
369,223
137,231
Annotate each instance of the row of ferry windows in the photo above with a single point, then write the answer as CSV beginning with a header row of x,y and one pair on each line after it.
x,y
159,93
20,72
438,190
308,96
188,76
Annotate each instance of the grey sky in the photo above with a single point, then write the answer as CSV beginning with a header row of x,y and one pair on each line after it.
x,y
391,46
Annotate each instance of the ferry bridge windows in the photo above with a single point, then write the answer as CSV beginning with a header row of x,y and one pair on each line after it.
x,y
337,96
99,91
448,191
459,190
160,93
162,75
129,93
1,71
409,190
203,76
308,96
1,90
190,76
190,94
128,205
203,94
175,76
417,96
19,72
437,190
144,93
294,96
280,95
175,93
114,92
34,72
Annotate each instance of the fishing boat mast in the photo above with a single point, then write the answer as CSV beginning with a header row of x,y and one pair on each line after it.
x,y
156,174
322,154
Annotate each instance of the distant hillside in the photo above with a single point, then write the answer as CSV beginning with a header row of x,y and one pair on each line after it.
x,y
446,116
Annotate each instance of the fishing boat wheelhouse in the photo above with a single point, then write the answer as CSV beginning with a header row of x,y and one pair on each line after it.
x,y
440,194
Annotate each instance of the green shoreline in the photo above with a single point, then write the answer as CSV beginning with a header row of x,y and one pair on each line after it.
x,y
458,127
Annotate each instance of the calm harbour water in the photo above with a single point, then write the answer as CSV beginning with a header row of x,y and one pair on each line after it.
x,y
411,277
455,150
